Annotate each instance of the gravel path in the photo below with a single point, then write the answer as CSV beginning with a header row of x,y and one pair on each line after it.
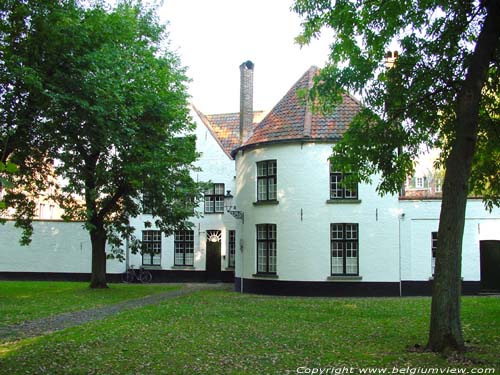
x,y
59,322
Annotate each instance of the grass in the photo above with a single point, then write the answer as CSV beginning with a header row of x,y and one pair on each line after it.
x,y
27,300
221,332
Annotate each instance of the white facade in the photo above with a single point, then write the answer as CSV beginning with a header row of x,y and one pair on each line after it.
x,y
304,214
393,235
216,167
59,247
56,247
421,218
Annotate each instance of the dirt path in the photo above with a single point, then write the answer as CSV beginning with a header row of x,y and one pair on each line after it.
x,y
62,321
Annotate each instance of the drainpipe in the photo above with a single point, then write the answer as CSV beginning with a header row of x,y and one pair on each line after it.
x,y
400,217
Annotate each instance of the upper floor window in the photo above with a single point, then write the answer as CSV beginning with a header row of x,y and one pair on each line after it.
x,y
214,199
338,190
434,246
344,248
266,248
266,180
232,248
147,201
151,247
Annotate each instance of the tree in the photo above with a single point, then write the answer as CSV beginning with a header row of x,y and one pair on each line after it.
x,y
115,113
441,92
22,142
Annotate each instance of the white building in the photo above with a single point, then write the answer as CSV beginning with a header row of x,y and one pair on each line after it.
x,y
291,227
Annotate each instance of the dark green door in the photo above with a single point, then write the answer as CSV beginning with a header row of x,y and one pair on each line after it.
x,y
213,255
490,266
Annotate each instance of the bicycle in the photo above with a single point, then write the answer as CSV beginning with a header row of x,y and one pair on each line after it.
x,y
140,274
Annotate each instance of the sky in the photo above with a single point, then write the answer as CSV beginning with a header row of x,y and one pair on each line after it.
x,y
214,37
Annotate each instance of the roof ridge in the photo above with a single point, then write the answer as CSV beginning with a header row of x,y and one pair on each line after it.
x,y
232,113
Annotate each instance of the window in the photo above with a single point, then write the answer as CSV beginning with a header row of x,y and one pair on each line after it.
x,y
266,180
344,249
231,248
434,246
151,247
214,199
41,211
184,248
419,182
338,190
147,201
266,248
438,185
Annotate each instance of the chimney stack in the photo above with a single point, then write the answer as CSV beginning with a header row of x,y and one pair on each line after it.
x,y
246,100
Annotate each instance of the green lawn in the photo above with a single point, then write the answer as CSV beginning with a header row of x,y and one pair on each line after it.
x,y
221,332
27,300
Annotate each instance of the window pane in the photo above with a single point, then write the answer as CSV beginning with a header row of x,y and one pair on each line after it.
x,y
272,187
272,256
219,189
351,231
337,233
261,257
209,204
262,189
261,231
261,169
271,168
271,231
219,204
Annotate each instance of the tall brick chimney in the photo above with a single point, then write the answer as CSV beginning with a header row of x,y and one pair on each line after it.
x,y
246,100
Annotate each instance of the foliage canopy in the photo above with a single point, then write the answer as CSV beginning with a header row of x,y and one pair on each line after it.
x,y
412,104
92,95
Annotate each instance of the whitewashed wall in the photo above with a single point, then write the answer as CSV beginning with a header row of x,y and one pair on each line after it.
x,y
304,245
56,246
421,217
216,166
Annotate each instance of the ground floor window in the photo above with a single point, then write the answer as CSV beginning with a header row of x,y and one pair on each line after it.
x,y
231,248
434,245
344,248
151,247
184,248
266,248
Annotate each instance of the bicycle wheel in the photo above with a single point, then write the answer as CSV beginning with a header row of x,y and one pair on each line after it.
x,y
145,277
128,277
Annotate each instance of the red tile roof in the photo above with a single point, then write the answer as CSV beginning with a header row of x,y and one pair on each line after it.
x,y
292,118
226,128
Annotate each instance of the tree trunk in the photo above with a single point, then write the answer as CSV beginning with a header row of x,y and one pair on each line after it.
x,y
98,240
445,328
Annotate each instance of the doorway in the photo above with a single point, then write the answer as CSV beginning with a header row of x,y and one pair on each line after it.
x,y
490,265
213,268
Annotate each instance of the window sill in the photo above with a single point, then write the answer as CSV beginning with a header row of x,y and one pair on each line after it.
x,y
213,213
151,267
265,203
183,267
344,278
265,275
341,201
229,268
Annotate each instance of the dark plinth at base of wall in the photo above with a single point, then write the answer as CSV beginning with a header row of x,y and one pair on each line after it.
x,y
159,276
344,289
424,288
